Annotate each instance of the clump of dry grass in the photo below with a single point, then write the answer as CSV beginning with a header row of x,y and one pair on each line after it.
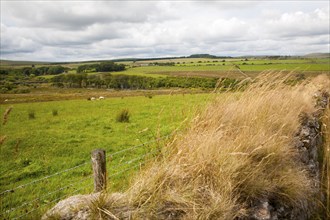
x,y
239,150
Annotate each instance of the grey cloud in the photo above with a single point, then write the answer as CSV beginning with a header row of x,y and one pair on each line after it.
x,y
80,30
76,15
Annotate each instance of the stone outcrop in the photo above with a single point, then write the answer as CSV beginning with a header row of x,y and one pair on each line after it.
x,y
87,207
308,142
73,208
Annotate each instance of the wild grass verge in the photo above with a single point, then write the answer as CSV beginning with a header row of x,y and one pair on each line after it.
x,y
236,153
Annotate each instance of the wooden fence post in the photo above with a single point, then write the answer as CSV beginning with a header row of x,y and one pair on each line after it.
x,y
99,170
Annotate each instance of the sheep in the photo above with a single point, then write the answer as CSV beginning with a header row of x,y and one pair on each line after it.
x,y
101,97
91,98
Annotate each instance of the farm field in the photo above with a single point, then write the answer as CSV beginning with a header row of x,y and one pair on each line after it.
x,y
48,93
42,139
202,67
217,68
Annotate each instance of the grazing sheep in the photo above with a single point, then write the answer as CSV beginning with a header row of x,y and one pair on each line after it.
x,y
92,99
101,97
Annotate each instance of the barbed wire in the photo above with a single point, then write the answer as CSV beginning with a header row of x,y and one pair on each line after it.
x,y
81,181
140,145
43,178
47,194
75,167
127,169
133,160
55,200
59,198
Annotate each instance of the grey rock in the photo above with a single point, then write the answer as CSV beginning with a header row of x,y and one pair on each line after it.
x,y
262,212
72,208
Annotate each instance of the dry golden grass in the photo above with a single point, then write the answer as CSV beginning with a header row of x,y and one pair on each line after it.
x,y
239,150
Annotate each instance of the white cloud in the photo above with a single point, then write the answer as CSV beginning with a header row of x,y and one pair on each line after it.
x,y
82,30
300,23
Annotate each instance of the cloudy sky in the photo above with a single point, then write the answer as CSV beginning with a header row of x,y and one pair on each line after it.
x,y
90,30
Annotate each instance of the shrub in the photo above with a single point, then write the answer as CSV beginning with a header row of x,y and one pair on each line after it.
x,y
55,112
31,115
123,116
149,95
21,91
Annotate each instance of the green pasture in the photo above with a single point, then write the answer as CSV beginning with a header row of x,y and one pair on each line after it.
x,y
287,67
47,143
207,67
229,68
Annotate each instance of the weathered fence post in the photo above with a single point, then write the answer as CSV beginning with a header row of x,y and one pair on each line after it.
x,y
99,170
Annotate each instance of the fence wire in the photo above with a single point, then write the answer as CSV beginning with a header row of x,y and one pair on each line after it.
x,y
51,202
140,145
46,195
113,168
43,178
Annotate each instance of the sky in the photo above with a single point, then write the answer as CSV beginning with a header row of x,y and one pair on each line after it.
x,y
97,30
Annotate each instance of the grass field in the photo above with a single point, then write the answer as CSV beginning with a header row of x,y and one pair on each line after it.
x,y
228,70
43,144
216,68
47,93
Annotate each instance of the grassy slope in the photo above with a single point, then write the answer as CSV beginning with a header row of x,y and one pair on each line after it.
x,y
236,152
34,148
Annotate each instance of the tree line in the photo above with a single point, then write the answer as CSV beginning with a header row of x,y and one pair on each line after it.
x,y
36,71
58,69
110,81
102,67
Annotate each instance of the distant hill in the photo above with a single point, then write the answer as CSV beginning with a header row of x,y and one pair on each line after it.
x,y
317,55
14,63
202,56
207,56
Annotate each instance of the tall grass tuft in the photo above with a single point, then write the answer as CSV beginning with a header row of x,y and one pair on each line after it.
x,y
236,152
31,114
123,116
55,112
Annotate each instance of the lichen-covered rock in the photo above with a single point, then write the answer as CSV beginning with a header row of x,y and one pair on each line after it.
x,y
89,207
73,208
262,211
